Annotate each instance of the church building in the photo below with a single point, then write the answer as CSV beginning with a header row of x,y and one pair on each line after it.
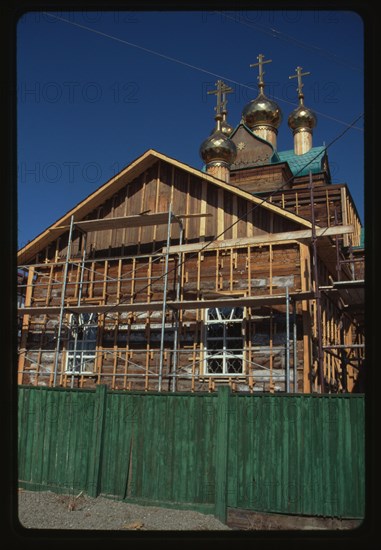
x,y
246,271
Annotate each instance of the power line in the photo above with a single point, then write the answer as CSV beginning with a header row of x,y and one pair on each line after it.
x,y
291,39
189,65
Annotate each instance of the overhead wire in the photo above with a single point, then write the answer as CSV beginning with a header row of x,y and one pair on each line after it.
x,y
279,35
189,65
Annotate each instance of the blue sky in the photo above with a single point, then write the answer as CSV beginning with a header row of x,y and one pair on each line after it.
x,y
89,104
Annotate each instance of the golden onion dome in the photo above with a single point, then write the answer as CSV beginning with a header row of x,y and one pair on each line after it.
x,y
302,117
218,147
262,110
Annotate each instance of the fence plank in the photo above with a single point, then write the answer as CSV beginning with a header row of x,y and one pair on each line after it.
x,y
95,459
221,456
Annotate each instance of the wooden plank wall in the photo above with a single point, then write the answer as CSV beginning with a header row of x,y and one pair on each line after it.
x,y
128,343
154,191
327,199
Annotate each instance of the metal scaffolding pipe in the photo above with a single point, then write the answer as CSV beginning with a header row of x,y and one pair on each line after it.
x,y
75,346
344,346
338,265
177,312
287,341
295,348
344,361
79,303
62,305
161,362
317,289
352,261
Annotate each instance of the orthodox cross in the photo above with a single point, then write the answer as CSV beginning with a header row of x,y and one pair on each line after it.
x,y
226,90
299,75
261,73
221,91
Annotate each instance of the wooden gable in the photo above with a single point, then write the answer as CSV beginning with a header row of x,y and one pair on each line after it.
x,y
156,184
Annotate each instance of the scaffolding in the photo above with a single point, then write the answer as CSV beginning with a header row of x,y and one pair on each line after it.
x,y
351,295
350,292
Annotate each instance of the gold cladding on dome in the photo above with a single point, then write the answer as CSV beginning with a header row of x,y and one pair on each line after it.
x,y
262,111
218,147
302,117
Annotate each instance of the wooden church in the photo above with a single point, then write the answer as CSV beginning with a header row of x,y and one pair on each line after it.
x,y
249,272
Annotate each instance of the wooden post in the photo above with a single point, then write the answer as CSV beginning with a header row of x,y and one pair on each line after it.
x,y
203,211
318,309
221,457
306,317
100,398
25,326
344,213
271,358
235,218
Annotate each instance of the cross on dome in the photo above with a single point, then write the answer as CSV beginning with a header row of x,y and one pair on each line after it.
x,y
299,75
261,72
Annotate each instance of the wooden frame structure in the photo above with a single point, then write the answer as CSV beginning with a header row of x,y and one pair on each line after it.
x,y
151,250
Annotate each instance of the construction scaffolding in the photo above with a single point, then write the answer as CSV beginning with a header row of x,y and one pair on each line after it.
x,y
77,314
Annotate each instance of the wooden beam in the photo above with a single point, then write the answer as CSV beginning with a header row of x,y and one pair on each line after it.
x,y
344,214
269,238
142,199
202,230
141,220
306,317
235,217
220,214
249,301
25,326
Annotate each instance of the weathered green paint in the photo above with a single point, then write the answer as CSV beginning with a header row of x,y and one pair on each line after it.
x,y
298,454
158,447
292,454
55,438
221,453
98,423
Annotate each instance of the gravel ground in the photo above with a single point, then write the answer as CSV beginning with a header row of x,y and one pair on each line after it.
x,y
47,510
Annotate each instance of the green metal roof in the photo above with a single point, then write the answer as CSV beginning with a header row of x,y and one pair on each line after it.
x,y
301,165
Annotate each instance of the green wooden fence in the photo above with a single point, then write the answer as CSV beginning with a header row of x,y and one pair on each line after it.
x,y
290,454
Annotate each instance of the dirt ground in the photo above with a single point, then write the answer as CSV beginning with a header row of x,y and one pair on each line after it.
x,y
47,510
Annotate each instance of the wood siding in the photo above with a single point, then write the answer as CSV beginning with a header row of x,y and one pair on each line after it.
x,y
156,190
123,266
